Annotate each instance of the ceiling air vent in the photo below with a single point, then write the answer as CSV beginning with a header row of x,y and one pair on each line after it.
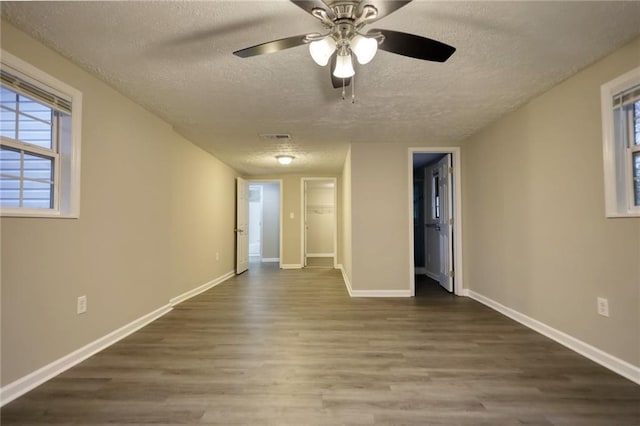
x,y
275,136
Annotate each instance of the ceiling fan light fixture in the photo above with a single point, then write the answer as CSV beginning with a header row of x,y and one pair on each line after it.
x,y
365,48
321,50
344,66
284,159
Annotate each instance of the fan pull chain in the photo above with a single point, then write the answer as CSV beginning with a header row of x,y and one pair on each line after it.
x,y
343,90
353,89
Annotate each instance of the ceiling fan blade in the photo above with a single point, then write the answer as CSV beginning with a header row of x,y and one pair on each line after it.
x,y
384,7
337,82
271,46
309,5
414,46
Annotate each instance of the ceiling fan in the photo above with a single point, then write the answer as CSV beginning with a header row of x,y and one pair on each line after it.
x,y
344,20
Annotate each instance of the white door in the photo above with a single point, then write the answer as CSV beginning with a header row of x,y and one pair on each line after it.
x,y
242,226
445,223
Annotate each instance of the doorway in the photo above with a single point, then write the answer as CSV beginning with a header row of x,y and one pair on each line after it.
x,y
435,233
264,221
319,232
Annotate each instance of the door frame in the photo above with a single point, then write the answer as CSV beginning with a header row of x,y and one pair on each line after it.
x,y
458,287
280,189
303,213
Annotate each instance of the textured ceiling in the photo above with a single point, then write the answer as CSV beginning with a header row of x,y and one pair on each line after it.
x,y
174,58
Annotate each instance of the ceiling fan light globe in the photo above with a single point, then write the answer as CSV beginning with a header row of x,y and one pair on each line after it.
x,y
365,48
321,50
344,67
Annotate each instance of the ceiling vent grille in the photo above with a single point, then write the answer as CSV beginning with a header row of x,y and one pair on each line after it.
x,y
275,136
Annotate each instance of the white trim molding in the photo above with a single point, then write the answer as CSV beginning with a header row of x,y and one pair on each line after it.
x,y
617,155
303,198
24,384
381,293
281,213
67,183
204,287
457,214
609,361
270,259
371,293
320,255
347,283
291,266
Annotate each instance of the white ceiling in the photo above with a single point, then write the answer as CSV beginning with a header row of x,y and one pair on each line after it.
x,y
175,59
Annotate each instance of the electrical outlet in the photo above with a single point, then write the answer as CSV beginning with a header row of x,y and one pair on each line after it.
x,y
82,305
217,256
603,307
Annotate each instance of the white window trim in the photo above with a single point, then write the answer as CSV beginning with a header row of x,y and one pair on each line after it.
x,y
613,205
72,209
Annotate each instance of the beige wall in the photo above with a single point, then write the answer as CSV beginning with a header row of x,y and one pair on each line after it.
x,y
202,203
381,215
148,198
535,234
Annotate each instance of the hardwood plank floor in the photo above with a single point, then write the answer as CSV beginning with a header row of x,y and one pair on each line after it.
x,y
272,347
319,262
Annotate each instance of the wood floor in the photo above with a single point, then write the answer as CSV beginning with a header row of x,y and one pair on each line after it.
x,y
319,262
273,347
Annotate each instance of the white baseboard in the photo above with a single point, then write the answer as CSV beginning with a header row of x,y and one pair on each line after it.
x,y
24,384
611,362
270,259
371,293
291,266
347,283
380,293
204,287
320,254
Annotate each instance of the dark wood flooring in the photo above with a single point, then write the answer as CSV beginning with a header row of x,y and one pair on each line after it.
x,y
272,347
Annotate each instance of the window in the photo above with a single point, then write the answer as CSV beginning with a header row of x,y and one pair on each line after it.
x,y
621,144
39,142
435,191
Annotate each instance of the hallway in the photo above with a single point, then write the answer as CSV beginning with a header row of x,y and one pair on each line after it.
x,y
289,347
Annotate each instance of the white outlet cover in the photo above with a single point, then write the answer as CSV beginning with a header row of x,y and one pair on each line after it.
x,y
603,306
81,305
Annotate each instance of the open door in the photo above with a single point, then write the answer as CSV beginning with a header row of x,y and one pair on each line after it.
x,y
445,225
242,225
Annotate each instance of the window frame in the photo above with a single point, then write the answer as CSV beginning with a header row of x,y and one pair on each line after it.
x,y
66,182
435,194
618,178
